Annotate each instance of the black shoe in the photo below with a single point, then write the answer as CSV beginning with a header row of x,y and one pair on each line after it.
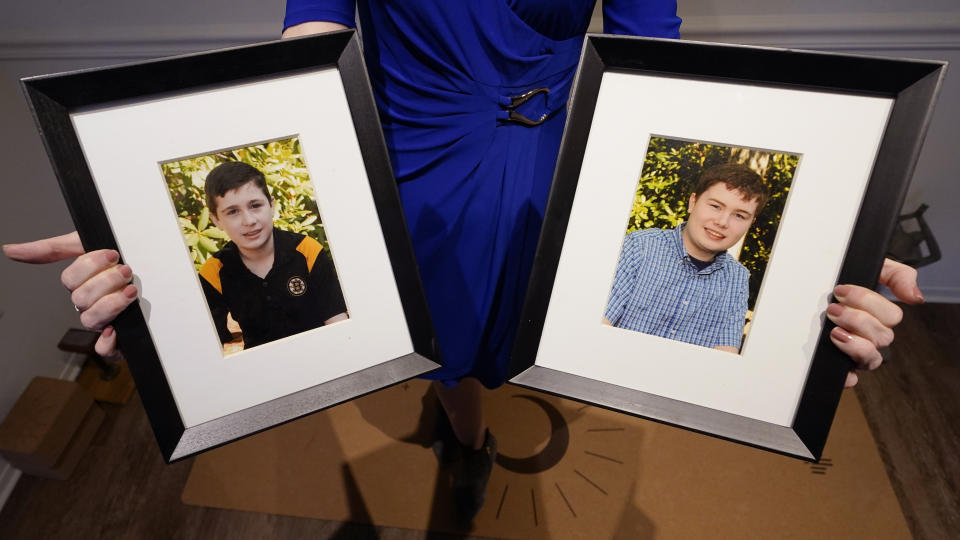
x,y
470,482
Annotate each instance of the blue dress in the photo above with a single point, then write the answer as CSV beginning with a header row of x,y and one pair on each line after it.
x,y
473,181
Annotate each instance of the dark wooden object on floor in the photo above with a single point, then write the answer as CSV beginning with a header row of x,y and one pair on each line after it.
x,y
49,428
117,390
106,381
83,341
122,489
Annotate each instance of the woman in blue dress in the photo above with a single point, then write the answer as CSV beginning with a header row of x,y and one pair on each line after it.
x,y
474,178
471,96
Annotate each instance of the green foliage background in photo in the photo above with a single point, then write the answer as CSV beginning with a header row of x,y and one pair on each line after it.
x,y
280,161
670,172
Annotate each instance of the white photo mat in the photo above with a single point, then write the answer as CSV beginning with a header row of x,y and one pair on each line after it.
x,y
838,137
124,145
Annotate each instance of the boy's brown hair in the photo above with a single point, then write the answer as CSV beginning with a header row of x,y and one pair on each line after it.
x,y
228,176
736,176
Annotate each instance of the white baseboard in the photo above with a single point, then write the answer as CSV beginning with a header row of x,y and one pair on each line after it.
x,y
8,480
71,369
9,475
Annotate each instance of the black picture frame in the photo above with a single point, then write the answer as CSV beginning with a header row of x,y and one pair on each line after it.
x,y
910,85
54,99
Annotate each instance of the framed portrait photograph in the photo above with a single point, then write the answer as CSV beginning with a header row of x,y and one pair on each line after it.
x,y
703,219
707,200
250,191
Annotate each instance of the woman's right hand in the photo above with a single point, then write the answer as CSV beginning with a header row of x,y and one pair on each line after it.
x,y
99,287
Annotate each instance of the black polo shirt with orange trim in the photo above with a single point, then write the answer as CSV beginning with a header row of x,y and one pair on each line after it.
x,y
299,293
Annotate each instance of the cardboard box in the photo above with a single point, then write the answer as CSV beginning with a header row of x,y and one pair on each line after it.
x,y
64,467
41,428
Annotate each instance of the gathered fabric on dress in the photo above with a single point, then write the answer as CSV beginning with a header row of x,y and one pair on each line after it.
x,y
473,181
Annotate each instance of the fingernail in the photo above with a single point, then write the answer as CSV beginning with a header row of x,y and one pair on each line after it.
x,y
108,331
113,256
917,294
841,335
130,291
841,291
834,310
125,271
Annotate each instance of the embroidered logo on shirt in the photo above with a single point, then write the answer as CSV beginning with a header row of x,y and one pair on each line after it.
x,y
297,286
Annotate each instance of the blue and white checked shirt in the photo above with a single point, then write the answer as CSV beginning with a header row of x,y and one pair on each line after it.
x,y
657,290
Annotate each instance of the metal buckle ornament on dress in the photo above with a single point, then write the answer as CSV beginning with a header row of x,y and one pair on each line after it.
x,y
516,101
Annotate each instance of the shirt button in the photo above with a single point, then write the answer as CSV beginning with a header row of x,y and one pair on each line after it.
x,y
686,302
264,284
269,298
673,331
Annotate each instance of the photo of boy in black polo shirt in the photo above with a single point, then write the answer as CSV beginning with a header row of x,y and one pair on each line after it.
x,y
273,283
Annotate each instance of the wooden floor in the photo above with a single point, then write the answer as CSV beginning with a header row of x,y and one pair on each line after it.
x,y
122,489
913,407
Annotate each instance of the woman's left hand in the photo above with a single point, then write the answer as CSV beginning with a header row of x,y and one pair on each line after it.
x,y
865,319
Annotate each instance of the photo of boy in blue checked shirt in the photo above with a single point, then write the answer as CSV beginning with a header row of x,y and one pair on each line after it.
x,y
681,283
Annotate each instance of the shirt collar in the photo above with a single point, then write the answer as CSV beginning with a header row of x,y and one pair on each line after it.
x,y
283,246
718,262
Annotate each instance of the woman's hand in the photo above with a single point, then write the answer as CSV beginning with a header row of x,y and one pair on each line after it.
x,y
99,287
865,319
